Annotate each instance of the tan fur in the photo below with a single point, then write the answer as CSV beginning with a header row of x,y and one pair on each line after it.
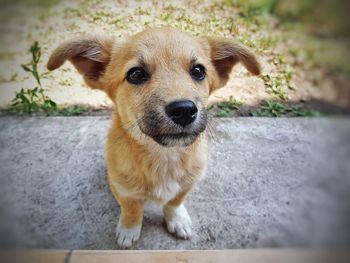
x,y
140,169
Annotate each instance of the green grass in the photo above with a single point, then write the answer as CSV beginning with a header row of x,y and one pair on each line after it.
x,y
28,101
278,109
40,3
278,84
279,59
166,17
65,82
262,42
109,18
142,11
33,101
226,108
269,108
73,110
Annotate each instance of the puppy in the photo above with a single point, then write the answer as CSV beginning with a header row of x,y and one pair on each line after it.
x,y
159,81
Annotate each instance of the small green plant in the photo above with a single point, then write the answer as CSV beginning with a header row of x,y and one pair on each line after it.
x,y
232,104
299,111
226,108
166,17
223,113
32,66
279,59
270,109
74,110
278,84
32,100
209,108
142,11
28,101
277,109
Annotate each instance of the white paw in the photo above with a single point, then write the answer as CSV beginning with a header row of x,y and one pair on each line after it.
x,y
126,236
178,221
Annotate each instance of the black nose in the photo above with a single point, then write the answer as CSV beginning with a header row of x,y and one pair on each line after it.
x,y
182,112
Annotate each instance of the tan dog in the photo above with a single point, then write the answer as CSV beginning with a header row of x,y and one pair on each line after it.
x,y
159,80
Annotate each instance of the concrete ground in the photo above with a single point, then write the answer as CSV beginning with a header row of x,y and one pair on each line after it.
x,y
270,183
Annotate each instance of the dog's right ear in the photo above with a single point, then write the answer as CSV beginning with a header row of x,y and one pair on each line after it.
x,y
89,55
225,54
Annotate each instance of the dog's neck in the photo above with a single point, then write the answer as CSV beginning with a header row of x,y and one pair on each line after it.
x,y
153,163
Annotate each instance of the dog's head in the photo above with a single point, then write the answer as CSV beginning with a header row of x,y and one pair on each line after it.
x,y
159,79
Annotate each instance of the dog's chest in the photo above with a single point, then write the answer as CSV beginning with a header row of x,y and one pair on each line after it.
x,y
169,173
167,190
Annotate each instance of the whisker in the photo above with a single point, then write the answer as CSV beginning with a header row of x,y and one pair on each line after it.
x,y
211,129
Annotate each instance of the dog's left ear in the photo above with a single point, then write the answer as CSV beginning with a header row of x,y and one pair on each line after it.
x,y
89,55
225,53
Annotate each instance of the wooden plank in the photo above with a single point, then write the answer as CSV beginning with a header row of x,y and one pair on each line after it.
x,y
35,256
203,256
215,256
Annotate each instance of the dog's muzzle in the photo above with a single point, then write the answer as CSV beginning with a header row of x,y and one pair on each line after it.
x,y
179,123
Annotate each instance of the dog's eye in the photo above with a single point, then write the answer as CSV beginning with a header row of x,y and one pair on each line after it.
x,y
137,76
198,72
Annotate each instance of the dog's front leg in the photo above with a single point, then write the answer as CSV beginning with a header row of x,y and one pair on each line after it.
x,y
130,221
176,217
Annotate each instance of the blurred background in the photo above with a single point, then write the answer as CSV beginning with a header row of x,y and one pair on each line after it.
x,y
303,46
271,182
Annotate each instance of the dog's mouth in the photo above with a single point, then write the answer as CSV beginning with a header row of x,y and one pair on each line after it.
x,y
182,138
168,130
173,139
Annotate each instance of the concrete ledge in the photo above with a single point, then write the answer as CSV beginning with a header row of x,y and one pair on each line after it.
x,y
270,183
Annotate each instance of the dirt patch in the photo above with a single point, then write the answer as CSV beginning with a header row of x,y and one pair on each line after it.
x,y
298,67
